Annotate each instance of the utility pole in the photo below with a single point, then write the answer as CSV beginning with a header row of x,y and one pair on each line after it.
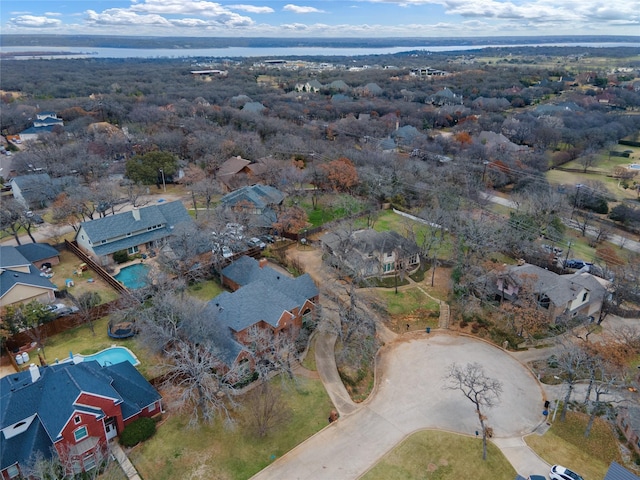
x,y
164,185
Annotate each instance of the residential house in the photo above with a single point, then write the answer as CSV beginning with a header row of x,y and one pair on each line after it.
x,y
371,253
140,230
262,298
237,171
629,422
563,296
38,189
21,281
258,202
70,410
446,97
313,86
40,254
253,107
45,122
498,142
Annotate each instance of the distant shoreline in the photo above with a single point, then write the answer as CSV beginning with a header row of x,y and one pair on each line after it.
x,y
181,43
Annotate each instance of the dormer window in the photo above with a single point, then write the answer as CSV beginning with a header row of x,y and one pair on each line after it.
x,y
77,419
585,296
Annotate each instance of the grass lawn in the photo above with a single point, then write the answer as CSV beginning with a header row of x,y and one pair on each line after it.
x,y
211,451
65,269
205,290
570,179
565,444
330,207
309,361
81,340
439,455
410,307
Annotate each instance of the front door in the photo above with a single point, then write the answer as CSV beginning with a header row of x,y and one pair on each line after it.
x,y
110,428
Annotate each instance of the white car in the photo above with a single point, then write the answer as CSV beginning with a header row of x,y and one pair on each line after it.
x,y
256,242
60,309
558,472
227,252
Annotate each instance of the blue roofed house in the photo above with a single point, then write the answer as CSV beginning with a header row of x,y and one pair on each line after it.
x,y
21,281
259,202
139,230
45,122
70,410
36,190
262,298
39,254
618,472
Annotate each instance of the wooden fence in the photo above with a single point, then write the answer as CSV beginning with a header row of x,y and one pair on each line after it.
x,y
101,272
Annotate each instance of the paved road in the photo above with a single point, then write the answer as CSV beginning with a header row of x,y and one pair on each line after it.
x,y
623,242
409,397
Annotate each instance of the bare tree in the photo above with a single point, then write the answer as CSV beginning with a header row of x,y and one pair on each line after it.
x,y
482,391
194,345
264,408
571,361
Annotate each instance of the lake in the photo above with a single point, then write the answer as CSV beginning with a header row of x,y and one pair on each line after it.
x,y
248,52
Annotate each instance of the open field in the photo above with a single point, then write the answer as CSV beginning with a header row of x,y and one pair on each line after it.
x,y
439,455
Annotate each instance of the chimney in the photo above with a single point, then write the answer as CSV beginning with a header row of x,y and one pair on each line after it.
x,y
35,372
136,213
263,262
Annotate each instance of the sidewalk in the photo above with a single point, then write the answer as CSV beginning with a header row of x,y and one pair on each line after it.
x,y
127,467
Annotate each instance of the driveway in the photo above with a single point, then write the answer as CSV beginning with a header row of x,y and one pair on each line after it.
x,y
409,397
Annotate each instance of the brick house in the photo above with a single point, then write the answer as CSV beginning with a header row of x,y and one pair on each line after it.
x,y
629,422
262,298
69,410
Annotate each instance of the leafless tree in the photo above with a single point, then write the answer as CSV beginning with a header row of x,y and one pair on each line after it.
x,y
64,466
571,360
193,345
484,392
264,408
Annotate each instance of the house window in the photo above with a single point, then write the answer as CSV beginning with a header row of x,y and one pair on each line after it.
x,y
388,267
13,471
77,419
151,407
80,433
585,296
132,250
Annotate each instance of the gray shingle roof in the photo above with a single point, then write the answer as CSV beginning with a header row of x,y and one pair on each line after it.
x,y
618,472
167,215
10,278
37,251
11,257
259,195
264,296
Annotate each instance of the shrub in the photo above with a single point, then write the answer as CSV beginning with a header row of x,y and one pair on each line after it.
x,y
120,256
137,431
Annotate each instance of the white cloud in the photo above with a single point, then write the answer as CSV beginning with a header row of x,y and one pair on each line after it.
x,y
301,9
251,8
120,16
52,14
32,21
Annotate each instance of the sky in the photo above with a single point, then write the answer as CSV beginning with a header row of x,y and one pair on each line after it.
x,y
321,18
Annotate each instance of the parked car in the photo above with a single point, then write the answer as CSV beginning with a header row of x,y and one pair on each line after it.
x,y
34,217
256,242
559,472
537,477
576,263
60,309
551,249
227,252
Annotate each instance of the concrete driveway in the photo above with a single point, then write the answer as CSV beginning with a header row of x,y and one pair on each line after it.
x,y
409,397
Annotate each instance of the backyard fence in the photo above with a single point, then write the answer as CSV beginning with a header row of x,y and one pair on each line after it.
x,y
101,272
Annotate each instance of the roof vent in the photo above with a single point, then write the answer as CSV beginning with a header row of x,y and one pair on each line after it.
x,y
136,213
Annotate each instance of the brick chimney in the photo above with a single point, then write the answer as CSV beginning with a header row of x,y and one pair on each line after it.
x,y
263,262
136,213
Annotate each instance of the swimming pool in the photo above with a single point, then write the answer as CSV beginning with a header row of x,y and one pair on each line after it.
x,y
133,276
108,356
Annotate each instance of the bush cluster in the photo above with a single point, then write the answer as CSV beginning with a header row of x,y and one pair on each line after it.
x,y
137,431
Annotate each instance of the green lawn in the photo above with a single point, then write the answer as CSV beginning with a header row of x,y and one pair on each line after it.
x,y
330,207
566,445
211,451
407,301
205,290
441,455
81,340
